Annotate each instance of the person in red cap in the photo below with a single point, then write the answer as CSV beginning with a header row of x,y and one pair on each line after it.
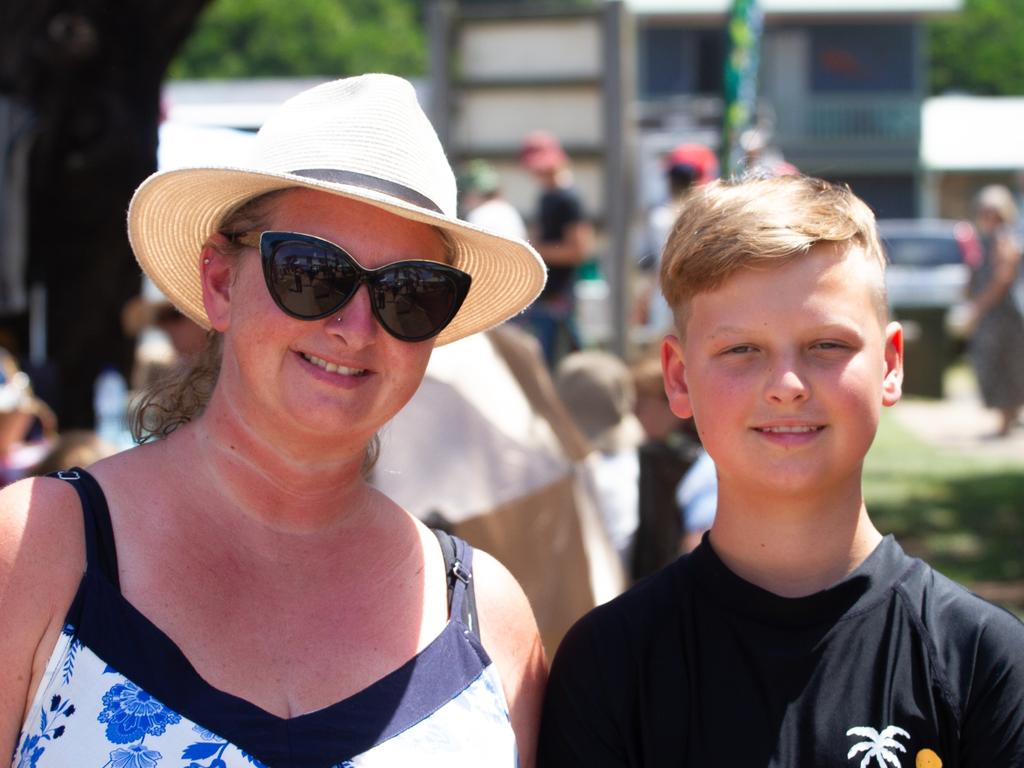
x,y
563,237
686,166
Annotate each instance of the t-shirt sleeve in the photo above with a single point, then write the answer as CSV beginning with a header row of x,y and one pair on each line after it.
x,y
571,209
581,724
993,718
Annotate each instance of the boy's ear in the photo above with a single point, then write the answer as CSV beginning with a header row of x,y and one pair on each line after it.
x,y
673,370
217,276
892,384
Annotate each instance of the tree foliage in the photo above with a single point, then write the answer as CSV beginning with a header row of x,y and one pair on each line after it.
x,y
980,50
269,38
83,83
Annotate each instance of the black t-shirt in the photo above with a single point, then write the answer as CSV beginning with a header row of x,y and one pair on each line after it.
x,y
895,667
559,208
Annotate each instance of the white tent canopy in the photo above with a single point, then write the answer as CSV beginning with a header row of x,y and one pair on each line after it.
x,y
972,133
816,7
184,146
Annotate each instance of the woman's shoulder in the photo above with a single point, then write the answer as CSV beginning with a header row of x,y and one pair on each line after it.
x,y
42,557
509,633
501,602
42,545
38,515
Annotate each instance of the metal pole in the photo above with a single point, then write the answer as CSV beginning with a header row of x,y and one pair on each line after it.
x,y
618,188
439,21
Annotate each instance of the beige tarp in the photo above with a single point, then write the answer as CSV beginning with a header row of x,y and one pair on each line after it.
x,y
486,444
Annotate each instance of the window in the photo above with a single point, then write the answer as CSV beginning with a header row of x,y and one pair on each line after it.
x,y
676,61
862,58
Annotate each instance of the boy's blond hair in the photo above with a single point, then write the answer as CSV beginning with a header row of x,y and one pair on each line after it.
x,y
756,223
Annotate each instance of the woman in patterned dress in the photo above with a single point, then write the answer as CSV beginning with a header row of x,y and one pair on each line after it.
x,y
239,594
996,345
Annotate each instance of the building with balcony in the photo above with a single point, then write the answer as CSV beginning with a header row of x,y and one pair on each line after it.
x,y
840,95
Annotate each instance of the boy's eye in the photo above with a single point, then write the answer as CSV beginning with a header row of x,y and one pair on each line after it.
x,y
828,345
739,349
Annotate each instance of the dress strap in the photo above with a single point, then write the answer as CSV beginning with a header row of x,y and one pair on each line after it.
x,y
100,551
458,563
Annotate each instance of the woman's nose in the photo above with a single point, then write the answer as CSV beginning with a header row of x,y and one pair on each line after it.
x,y
355,321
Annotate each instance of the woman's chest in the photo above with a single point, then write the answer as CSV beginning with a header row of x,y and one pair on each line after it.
x,y
292,650
119,692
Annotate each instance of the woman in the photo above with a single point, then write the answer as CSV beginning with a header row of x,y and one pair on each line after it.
x,y
996,346
250,599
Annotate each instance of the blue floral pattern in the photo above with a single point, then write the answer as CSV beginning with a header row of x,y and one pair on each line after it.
x,y
119,725
113,723
212,748
130,714
51,727
69,661
135,756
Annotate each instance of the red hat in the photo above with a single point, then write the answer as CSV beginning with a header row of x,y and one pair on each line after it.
x,y
541,151
696,156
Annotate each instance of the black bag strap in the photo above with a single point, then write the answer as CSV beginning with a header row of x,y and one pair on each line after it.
x,y
458,564
100,551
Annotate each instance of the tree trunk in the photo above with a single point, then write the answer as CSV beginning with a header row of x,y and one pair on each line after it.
x,y
89,72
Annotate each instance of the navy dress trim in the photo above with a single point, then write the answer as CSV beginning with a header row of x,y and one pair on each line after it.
x,y
131,644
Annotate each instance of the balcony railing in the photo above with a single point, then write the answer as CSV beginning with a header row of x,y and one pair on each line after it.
x,y
879,120
866,120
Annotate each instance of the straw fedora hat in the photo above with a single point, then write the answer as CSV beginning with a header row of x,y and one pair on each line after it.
x,y
364,138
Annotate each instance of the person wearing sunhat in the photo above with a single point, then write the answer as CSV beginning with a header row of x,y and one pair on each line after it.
x,y
238,591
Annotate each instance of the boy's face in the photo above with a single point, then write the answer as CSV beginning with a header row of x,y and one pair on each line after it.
x,y
785,371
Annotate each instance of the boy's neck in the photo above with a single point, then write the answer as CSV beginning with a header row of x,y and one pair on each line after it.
x,y
793,552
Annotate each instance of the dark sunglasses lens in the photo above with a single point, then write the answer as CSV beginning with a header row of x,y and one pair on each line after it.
x,y
309,280
415,302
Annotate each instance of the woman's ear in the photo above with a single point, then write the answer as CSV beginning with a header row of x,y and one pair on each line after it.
x,y
892,384
216,273
673,370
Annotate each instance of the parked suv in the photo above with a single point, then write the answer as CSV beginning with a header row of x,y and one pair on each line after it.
x,y
929,266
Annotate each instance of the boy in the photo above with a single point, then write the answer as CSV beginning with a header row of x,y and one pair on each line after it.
x,y
795,634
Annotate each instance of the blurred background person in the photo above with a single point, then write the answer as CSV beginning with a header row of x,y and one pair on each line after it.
x,y
165,338
563,236
697,498
669,452
484,205
598,390
74,448
28,426
761,157
685,167
994,322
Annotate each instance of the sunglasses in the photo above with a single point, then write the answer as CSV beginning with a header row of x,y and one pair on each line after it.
x,y
310,278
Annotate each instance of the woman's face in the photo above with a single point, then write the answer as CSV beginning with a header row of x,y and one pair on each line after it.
x,y
342,375
988,219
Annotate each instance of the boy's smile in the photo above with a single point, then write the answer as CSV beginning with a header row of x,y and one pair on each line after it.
x,y
785,370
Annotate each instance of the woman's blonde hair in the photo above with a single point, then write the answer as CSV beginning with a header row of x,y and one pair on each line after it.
x,y
759,222
999,199
183,393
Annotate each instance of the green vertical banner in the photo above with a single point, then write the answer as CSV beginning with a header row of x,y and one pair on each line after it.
x,y
742,57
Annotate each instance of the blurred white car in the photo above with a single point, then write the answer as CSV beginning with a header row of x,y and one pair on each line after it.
x,y
926,279
929,261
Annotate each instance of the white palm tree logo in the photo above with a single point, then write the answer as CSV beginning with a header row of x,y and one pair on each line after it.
x,y
877,745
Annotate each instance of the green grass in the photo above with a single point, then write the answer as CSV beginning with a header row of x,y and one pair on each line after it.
x,y
961,513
